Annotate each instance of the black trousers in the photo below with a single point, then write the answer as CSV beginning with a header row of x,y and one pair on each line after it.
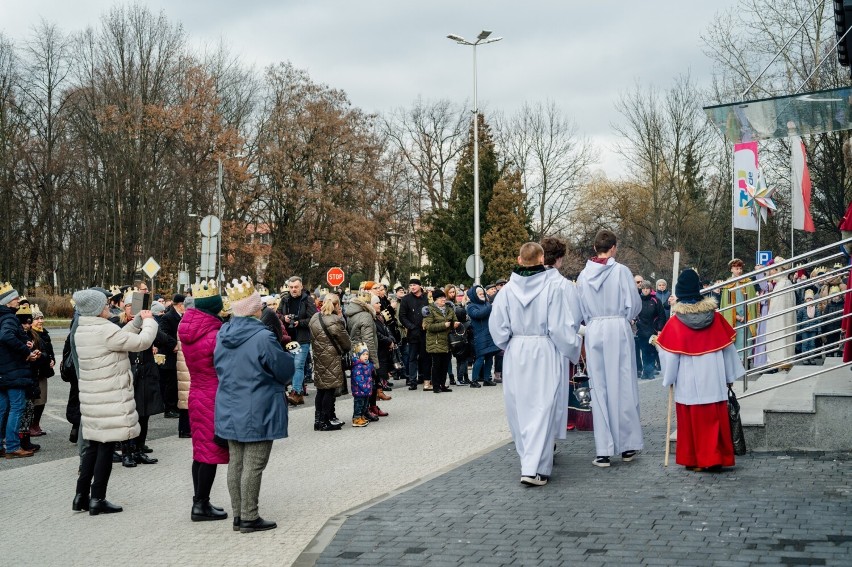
x,y
324,402
96,464
183,422
440,364
168,388
418,359
203,475
136,444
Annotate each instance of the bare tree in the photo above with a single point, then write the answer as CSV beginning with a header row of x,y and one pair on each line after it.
x,y
431,136
553,158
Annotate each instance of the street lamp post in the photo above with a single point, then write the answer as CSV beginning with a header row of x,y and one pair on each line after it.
x,y
481,39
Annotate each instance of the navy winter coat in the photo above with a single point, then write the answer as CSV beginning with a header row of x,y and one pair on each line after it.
x,y
254,370
479,311
14,369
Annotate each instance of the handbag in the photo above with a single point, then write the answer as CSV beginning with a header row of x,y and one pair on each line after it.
x,y
737,434
345,356
458,341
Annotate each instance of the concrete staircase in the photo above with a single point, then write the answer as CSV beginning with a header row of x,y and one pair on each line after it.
x,y
814,414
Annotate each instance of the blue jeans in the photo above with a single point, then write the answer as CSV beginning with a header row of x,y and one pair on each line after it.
x,y
299,373
647,358
359,407
482,364
12,402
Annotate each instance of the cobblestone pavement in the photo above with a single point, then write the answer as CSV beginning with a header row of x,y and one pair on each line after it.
x,y
771,509
311,477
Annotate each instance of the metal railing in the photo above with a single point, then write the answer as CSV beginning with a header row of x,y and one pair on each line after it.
x,y
760,350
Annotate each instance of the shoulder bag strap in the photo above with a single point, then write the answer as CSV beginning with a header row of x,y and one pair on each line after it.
x,y
327,334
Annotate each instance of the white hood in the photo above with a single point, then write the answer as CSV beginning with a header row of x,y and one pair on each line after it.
x,y
527,288
596,274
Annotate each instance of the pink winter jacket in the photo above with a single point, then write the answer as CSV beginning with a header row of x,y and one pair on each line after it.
x,y
197,334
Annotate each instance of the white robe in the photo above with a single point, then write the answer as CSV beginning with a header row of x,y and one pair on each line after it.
x,y
781,325
609,301
701,379
563,395
531,321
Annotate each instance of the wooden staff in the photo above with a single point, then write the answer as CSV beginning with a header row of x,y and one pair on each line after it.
x,y
669,427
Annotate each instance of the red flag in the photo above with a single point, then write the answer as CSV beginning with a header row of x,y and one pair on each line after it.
x,y
801,186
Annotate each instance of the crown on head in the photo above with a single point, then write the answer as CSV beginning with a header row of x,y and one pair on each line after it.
x,y
261,289
115,290
205,289
25,310
226,306
5,287
23,299
240,289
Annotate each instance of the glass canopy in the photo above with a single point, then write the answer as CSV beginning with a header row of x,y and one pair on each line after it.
x,y
780,117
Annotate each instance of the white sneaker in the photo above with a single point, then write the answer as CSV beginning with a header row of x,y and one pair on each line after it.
x,y
537,480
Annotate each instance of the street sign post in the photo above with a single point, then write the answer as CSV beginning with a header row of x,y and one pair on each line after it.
x,y
763,257
470,264
150,268
335,277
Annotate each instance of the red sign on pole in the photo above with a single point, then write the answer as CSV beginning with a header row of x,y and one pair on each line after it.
x,y
335,277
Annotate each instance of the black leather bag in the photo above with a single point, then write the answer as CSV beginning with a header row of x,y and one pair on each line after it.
x,y
737,434
458,341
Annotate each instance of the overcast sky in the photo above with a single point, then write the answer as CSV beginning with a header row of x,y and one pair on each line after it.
x,y
386,53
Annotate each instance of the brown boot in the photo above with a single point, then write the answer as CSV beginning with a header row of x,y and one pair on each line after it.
x,y
295,399
382,396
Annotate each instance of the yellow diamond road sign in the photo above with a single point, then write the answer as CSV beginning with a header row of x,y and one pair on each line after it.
x,y
151,267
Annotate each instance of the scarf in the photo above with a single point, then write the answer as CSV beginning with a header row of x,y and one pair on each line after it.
x,y
527,271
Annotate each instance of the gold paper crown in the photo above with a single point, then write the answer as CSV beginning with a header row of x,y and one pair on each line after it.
x,y
226,306
115,290
240,289
25,310
359,347
5,287
205,289
23,299
261,289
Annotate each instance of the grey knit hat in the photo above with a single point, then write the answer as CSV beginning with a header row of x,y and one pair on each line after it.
x,y
89,302
8,296
158,308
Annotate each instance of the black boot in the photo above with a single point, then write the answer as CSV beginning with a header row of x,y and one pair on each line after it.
x,y
127,459
317,421
257,525
26,444
202,511
102,506
143,459
327,425
80,503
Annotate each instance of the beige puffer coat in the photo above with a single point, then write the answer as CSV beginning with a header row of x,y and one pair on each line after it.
x,y
107,407
183,380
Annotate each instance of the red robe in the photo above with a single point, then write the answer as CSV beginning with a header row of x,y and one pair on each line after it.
x,y
846,322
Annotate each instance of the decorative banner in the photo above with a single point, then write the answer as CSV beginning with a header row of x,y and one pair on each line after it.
x,y
745,176
801,186
760,197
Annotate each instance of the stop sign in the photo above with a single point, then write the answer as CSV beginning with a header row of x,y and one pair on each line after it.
x,y
335,277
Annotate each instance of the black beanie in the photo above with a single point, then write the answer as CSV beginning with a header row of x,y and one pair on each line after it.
x,y
437,294
688,286
178,298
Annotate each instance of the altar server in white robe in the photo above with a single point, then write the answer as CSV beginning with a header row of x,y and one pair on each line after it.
x,y
554,254
780,348
531,320
609,302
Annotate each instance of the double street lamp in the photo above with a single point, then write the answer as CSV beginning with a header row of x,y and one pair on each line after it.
x,y
481,39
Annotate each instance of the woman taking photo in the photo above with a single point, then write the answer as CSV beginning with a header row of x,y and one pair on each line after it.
x,y
329,340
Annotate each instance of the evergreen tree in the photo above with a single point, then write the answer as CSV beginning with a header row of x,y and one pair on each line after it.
x,y
507,221
448,240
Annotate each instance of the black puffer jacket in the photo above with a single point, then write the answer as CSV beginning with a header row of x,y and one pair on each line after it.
x,y
328,371
651,318
411,315
14,369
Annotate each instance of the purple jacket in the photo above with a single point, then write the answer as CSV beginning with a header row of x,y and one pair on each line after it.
x,y
362,379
